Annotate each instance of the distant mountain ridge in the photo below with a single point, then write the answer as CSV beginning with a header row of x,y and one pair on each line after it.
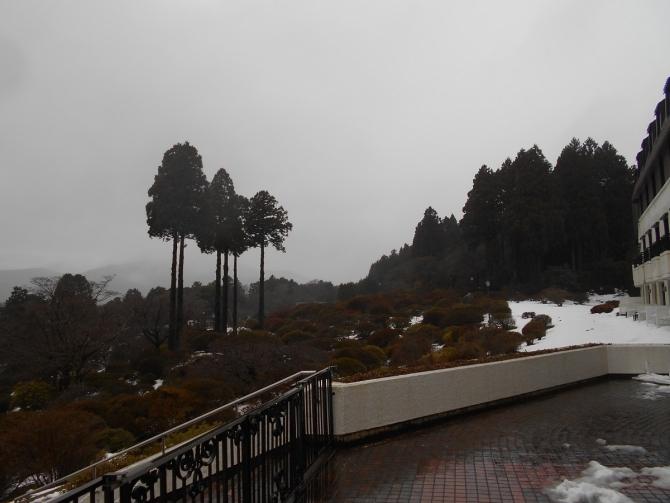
x,y
142,275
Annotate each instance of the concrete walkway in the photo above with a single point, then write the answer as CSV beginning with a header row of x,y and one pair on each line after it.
x,y
514,453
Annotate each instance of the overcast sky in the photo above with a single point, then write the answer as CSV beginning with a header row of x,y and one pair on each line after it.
x,y
355,115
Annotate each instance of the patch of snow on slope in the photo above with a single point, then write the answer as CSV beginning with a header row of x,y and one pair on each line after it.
x,y
574,325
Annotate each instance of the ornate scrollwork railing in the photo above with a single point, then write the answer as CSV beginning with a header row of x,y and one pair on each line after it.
x,y
259,457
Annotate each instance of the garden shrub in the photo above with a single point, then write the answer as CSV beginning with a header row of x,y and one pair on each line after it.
x,y
364,329
553,295
128,412
370,360
212,391
296,336
468,350
273,324
346,343
153,363
528,315
448,301
498,306
382,309
359,303
602,308
377,351
170,406
503,320
347,366
433,316
252,324
383,337
201,339
533,330
31,395
322,343
545,319
493,340
462,314
114,439
429,331
307,310
399,322
443,355
284,329
409,350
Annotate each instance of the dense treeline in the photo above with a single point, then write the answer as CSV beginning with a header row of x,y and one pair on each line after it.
x,y
528,226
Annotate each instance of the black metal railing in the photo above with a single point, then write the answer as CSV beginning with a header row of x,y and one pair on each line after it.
x,y
654,250
260,457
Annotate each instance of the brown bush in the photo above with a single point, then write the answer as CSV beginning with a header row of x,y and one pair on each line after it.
x,y
553,295
369,359
364,329
347,366
399,322
273,324
544,319
409,350
462,314
468,350
382,309
503,320
602,308
448,301
383,337
296,337
359,303
433,316
43,446
494,341
533,330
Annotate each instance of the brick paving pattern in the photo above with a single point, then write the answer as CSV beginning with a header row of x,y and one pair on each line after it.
x,y
512,453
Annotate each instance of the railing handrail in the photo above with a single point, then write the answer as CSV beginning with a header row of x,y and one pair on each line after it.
x,y
162,436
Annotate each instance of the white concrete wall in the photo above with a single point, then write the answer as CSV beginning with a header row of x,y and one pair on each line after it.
x,y
369,407
629,358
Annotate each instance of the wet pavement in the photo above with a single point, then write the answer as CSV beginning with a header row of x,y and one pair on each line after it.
x,y
515,453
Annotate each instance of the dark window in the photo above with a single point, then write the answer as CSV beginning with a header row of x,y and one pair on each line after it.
x,y
653,185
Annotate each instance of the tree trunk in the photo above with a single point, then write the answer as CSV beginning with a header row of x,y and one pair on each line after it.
x,y
234,294
224,323
180,294
261,297
217,294
172,329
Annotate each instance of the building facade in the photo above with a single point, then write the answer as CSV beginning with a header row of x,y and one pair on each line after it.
x,y
651,206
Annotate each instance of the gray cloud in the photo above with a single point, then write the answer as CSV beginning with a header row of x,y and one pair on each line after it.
x,y
356,116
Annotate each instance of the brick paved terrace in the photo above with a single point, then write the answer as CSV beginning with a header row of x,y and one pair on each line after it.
x,y
516,453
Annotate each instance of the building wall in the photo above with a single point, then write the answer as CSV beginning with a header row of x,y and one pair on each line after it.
x,y
651,201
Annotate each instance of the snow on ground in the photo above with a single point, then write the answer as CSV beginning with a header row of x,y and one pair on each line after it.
x,y
575,325
601,483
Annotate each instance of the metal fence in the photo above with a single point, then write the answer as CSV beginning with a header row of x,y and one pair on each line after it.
x,y
263,456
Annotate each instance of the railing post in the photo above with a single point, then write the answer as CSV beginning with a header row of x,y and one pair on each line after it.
x,y
246,460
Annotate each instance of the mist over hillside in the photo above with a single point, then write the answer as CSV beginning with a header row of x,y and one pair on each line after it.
x,y
142,275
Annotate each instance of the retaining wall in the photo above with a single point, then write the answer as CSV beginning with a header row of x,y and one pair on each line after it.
x,y
378,406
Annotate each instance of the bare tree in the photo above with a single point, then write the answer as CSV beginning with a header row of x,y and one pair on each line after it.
x,y
65,331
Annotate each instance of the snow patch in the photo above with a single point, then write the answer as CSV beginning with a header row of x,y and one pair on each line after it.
x,y
626,448
653,378
602,484
158,383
